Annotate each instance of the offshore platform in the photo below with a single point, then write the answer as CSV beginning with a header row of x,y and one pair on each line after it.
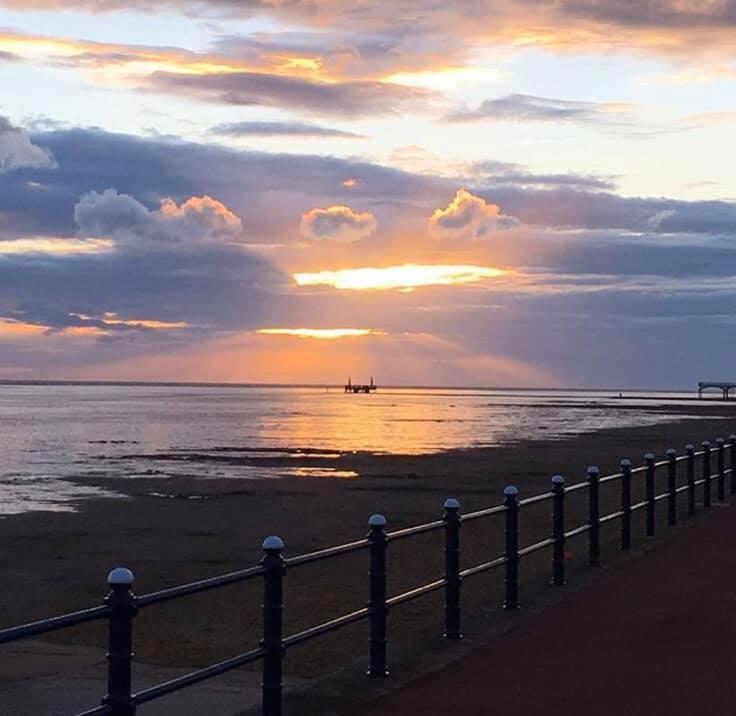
x,y
351,387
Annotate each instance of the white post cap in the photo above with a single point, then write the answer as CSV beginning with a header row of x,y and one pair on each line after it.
x,y
689,446
626,462
452,503
510,491
558,480
593,470
720,441
732,437
273,544
377,521
649,456
706,443
671,452
120,575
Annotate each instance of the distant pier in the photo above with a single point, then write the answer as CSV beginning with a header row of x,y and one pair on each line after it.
x,y
724,386
351,387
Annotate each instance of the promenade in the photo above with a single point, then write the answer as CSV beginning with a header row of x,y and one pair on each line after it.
x,y
655,636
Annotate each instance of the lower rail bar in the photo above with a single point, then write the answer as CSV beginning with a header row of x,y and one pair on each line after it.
x,y
536,547
577,531
222,667
326,627
612,516
480,568
416,593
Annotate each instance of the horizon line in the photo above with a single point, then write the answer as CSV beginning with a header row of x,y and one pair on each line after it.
x,y
390,386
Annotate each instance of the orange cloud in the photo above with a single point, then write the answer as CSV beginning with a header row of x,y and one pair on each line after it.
x,y
468,217
340,223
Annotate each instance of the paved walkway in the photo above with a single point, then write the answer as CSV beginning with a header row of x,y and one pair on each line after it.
x,y
657,636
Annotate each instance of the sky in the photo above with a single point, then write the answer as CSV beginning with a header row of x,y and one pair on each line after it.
x,y
527,193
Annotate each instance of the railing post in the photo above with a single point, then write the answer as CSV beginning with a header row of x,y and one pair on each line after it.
x,y
122,601
706,475
626,504
511,501
721,447
672,486
377,609
732,451
650,493
452,569
558,530
594,517
690,450
273,613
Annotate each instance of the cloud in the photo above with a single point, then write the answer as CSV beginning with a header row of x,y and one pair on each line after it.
x,y
8,57
494,173
339,223
347,99
427,34
529,108
17,151
280,129
468,217
120,216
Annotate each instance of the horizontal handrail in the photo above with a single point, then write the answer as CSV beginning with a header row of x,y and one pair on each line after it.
x,y
418,529
99,711
577,531
326,627
44,626
483,513
414,593
639,505
612,516
471,571
321,554
611,478
536,546
537,498
577,486
221,667
202,585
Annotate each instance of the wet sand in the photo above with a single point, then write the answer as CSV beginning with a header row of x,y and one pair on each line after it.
x,y
174,530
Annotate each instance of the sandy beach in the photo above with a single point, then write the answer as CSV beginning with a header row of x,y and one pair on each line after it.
x,y
175,530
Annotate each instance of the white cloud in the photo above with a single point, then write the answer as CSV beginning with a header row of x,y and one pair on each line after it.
x,y
17,151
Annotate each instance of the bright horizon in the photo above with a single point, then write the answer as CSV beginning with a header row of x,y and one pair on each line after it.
x,y
537,194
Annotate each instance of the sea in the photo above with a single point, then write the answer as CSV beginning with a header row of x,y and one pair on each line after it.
x,y
53,434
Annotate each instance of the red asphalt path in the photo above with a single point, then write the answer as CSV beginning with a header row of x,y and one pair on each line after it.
x,y
657,636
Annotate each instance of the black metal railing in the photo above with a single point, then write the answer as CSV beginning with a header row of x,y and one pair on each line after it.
x,y
121,605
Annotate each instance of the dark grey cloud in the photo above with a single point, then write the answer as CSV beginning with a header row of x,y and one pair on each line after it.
x,y
530,108
212,289
277,129
346,99
567,207
493,173
269,191
8,57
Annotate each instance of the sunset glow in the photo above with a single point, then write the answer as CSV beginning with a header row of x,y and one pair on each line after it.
x,y
319,333
406,276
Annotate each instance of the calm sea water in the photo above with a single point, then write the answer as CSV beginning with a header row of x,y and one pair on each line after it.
x,y
50,433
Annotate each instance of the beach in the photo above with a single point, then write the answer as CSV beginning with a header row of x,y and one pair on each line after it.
x,y
171,530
